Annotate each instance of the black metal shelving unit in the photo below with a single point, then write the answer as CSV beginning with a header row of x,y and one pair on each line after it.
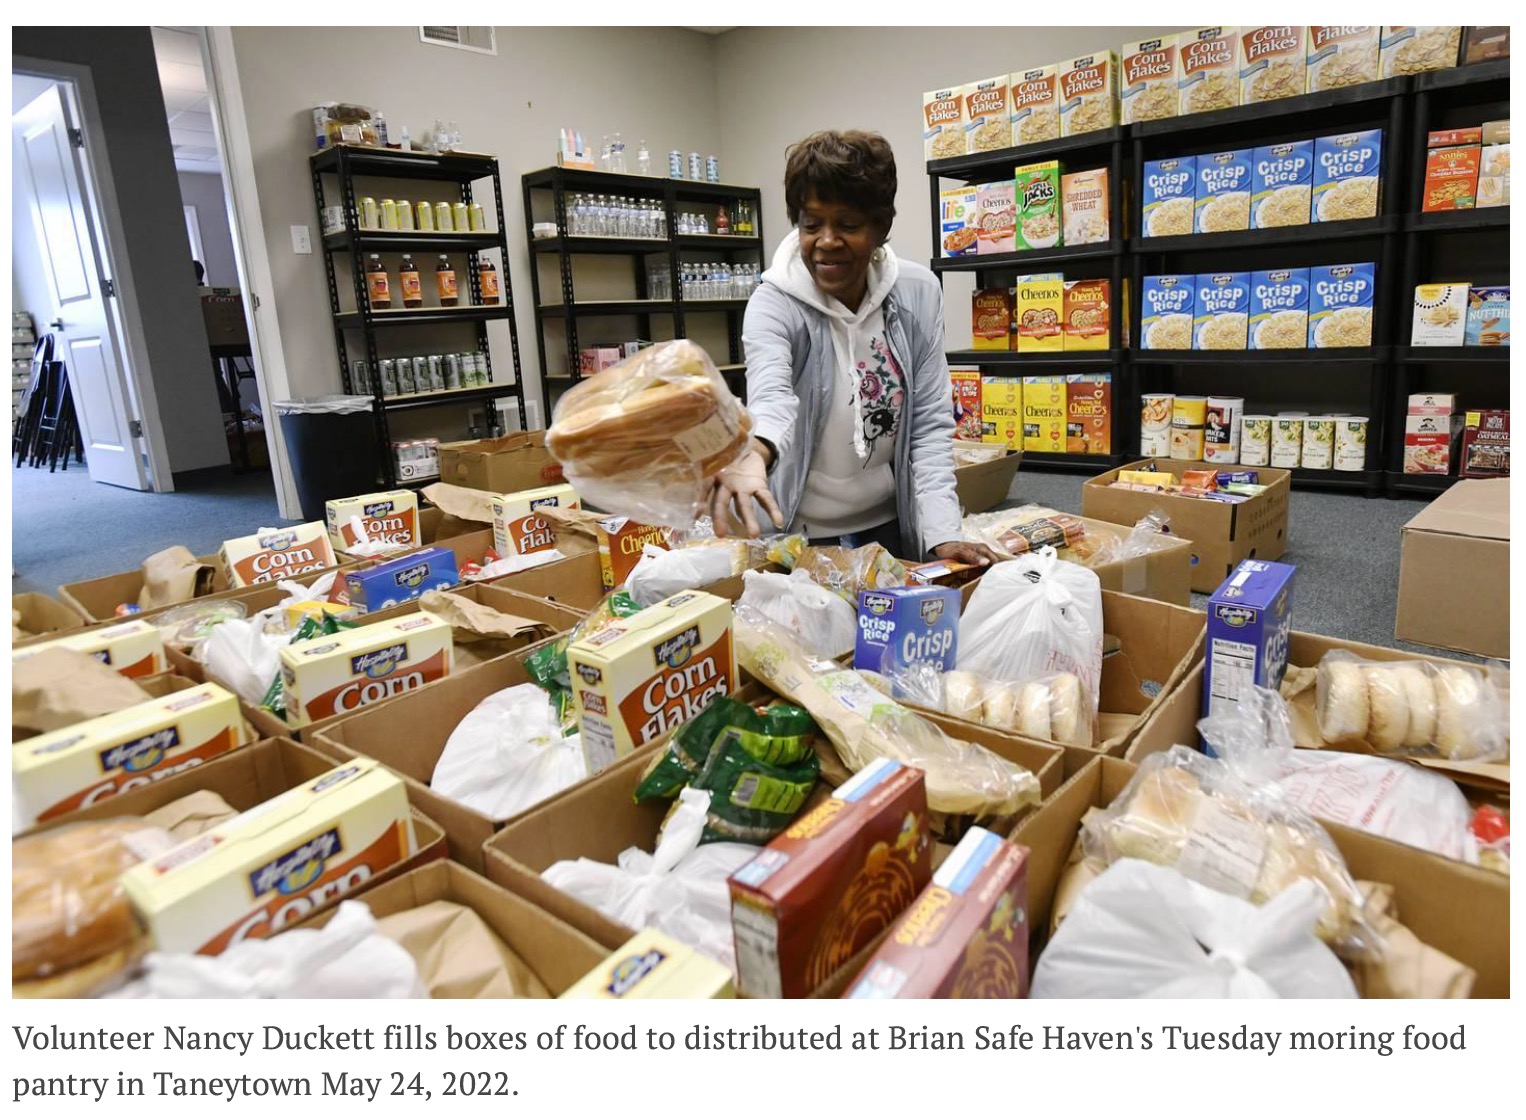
x,y
346,163
571,313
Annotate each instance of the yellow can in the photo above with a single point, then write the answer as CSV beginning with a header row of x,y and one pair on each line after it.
x,y
424,217
388,214
442,223
460,217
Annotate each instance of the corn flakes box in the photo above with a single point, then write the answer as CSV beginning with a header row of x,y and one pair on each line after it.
x,y
1340,305
1346,175
1208,77
1035,96
134,648
987,115
653,965
1147,79
276,554
391,516
1279,309
1168,196
336,675
1282,185
1046,411
1088,93
943,123
1167,305
1273,63
1341,56
1221,201
518,529
1001,411
1222,314
1414,50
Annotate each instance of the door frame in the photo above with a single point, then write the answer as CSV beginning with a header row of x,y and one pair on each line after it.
x,y
124,317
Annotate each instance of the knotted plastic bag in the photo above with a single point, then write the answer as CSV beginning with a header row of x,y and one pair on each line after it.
x,y
825,622
508,754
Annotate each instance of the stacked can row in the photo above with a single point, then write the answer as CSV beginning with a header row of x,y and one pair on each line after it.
x,y
1219,430
433,373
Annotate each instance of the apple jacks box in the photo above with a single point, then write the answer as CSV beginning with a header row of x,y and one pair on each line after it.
x,y
277,554
134,649
392,516
336,675
518,529
272,865
77,766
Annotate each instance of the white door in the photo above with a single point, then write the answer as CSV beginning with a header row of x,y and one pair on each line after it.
x,y
45,164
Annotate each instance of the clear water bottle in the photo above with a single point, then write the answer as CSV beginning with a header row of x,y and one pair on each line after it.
x,y
643,160
662,221
576,214
617,156
604,154
455,137
702,224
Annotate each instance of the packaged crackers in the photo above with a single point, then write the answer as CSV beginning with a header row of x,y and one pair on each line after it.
x,y
1089,413
1341,56
1035,105
1037,198
653,965
133,649
1488,316
991,318
1083,196
1494,172
1088,93
1208,76
943,123
277,554
1451,177
987,115
1087,318
392,517
621,544
1414,50
1147,79
336,675
1273,62
517,529
1001,411
1440,315
966,392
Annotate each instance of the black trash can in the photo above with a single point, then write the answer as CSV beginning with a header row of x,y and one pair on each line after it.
x,y
331,442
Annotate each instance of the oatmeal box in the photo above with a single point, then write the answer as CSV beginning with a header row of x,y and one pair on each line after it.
x,y
1273,62
1147,79
1341,56
1346,170
1340,305
1207,77
1167,196
1279,309
1282,185
1035,96
1222,311
1221,201
1166,308
1088,93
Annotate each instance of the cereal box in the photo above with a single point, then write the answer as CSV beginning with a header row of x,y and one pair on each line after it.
x,y
334,676
134,649
1346,179
1440,315
1037,188
1413,50
622,542
1485,444
1168,196
1282,185
966,935
402,580
1488,317
1341,56
1083,195
653,965
1001,411
1428,443
517,529
1279,309
1088,93
276,554
1035,105
392,517
1272,63
1046,411
1147,79
1494,176
1167,305
987,115
75,767
1221,201
1089,413
966,393
997,228
1249,620
1483,44
899,626
1087,317
1207,74
269,867
1340,305
960,221
991,318
1451,179
635,679
1222,311
1040,308
943,123
1432,404
826,886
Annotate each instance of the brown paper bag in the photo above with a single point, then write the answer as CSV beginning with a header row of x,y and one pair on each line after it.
x,y
572,522
59,688
475,622
1409,968
191,815
174,576
458,956
459,502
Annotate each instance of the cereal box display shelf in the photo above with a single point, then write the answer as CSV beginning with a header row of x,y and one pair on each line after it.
x,y
1490,217
399,241
1254,238
1363,355
994,165
995,358
1431,484
1445,355
1477,73
1025,259
1274,115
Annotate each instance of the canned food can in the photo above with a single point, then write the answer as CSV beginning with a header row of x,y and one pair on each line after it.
x,y
675,164
1256,440
453,371
1319,443
404,214
388,214
695,167
424,215
712,170
484,375
1351,443
421,374
436,372
404,376
370,215
386,372
442,222
1287,441
461,217
359,382
1189,415
478,218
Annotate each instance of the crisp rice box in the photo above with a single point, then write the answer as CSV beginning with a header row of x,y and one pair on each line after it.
x,y
1088,93
1147,79
1167,304
1167,197
904,625
1249,619
517,529
636,678
392,517
272,865
1279,309
402,580
1222,200
1273,63
277,554
1222,316
79,766
1208,76
1346,175
333,676
1340,305
1035,105
134,648
653,965
1282,185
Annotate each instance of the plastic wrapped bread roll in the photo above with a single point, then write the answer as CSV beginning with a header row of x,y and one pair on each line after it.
x,y
1033,710
964,695
1420,702
1387,708
1341,701
999,709
1459,704
1069,715
1412,707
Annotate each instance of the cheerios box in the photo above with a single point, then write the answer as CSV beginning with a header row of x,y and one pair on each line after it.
x,y
1221,311
904,625
1347,167
1340,305
1221,200
335,675
134,648
1279,309
277,554
1167,305
517,529
1207,74
392,517
1282,184
1167,196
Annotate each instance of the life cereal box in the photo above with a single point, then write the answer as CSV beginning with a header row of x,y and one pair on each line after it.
x,y
1413,50
1167,304
966,392
1207,75
1088,93
1084,198
1035,105
1168,196
277,554
987,115
1147,79
1346,175
336,675
1282,185
134,648
1222,200
1001,411
1341,56
391,517
517,529
943,123
959,220
1340,305
1273,63
1222,313
1279,309
1089,413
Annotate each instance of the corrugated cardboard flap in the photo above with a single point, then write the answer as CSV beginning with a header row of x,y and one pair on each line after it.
x,y
1472,508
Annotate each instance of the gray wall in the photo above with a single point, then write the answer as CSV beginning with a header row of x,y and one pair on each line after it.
x,y
205,192
137,141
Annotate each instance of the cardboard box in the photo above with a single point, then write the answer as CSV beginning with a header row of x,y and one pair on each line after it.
x,y
1347,175
903,625
1167,196
996,212
1167,304
97,599
966,393
1488,317
621,545
943,123
363,666
1279,309
1222,534
1413,50
1454,571
391,582
984,486
1440,315
277,555
392,516
1222,196
42,615
1089,413
1221,311
517,530
223,315
505,465
577,583
1272,63
1088,91
1342,56
1001,411
1040,313
991,319
960,221
1282,185
987,115
1207,69
1485,444
1249,619
133,648
1045,413
1087,319
1035,97
1037,198
1451,179
653,965
1147,79
1341,305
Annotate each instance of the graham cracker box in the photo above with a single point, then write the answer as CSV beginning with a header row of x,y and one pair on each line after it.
x,y
1273,63
1089,413
336,675
517,529
1040,311
393,582
653,965
276,554
943,123
1341,56
965,937
1147,79
1001,411
1045,413
78,766
133,649
392,516
1087,320
636,678
825,887
1088,93
272,865
1035,105
1208,76
966,393
991,319
621,543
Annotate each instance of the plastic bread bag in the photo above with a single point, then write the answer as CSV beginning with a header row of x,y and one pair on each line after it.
x,y
661,573
508,565
645,438
509,753
1141,931
847,571
1384,796
825,623
864,723
1056,708
1033,617
1412,708
186,627
1186,810
1012,532
1150,533
346,959
679,888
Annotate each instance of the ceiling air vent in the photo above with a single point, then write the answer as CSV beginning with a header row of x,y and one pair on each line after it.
x,y
479,39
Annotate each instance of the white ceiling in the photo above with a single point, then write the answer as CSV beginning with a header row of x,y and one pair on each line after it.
x,y
186,103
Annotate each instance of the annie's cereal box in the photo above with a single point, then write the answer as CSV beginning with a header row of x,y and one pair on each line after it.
x,y
1167,304
1273,62
1222,315
827,885
991,318
1087,317
1279,309
1037,196
1208,76
1341,56
1040,308
1346,175
943,123
276,554
333,676
517,529
987,116
392,517
1083,196
966,393
1046,411
1340,305
134,648
1089,413
1282,185
74,767
271,866
959,221
621,543
1413,50
1088,93
636,678
998,218
1451,178
1147,79
1001,411
1035,96
1221,202
1168,196
1488,316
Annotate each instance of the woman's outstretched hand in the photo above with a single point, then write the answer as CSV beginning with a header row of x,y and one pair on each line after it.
x,y
966,552
737,487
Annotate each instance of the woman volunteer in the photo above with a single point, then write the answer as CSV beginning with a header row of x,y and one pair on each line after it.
x,y
846,378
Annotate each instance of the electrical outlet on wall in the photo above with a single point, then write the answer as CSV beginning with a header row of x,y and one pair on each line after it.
x,y
301,240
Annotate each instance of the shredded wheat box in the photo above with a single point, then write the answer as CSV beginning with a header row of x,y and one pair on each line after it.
x,y
276,555
943,123
1083,196
653,965
1346,175
1279,309
1089,413
987,116
1413,50
1208,76
635,679
335,675
271,866
1001,411
134,649
1222,311
517,529
392,516
1088,93
1147,79
1340,305
1341,56
1035,105
68,769
1273,63
1282,185
1221,201
1168,196
1046,411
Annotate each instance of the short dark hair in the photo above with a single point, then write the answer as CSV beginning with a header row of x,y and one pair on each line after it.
x,y
852,168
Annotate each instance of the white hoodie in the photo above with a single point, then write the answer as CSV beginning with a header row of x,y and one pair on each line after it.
x,y
849,487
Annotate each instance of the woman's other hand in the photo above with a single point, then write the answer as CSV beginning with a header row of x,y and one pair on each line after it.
x,y
967,552
737,487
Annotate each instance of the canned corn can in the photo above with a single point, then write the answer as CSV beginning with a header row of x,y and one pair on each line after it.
x,y
436,372
442,223
424,217
388,214
421,374
478,218
404,214
370,214
461,217
359,381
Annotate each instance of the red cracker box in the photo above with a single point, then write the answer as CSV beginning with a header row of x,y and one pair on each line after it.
x,y
966,936
825,887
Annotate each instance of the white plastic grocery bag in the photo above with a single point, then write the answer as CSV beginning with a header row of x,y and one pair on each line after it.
x,y
243,656
662,573
824,622
508,754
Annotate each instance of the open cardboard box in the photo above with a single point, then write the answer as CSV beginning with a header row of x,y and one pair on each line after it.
x,y
43,616
1164,573
983,486
157,686
506,465
1222,534
1462,911
576,582
1465,530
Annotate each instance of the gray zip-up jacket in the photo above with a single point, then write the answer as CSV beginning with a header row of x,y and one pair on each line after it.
x,y
790,379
